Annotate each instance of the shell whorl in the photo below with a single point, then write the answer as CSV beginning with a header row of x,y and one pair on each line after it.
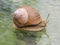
x,y
25,16
22,14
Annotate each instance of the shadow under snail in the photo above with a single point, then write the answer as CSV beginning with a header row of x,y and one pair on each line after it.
x,y
27,18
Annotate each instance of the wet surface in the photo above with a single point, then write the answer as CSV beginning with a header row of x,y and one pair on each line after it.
x,y
48,36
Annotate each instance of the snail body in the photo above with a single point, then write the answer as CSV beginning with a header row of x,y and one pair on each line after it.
x,y
25,16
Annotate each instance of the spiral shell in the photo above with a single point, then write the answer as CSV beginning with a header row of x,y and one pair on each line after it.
x,y
25,16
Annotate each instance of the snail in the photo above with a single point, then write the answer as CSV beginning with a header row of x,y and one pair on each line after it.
x,y
28,18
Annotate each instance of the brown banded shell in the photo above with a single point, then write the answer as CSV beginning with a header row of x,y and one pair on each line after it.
x,y
25,16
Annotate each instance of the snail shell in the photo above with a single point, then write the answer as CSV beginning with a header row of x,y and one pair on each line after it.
x,y
25,16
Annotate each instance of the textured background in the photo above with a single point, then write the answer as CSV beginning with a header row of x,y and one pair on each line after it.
x,y
45,7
